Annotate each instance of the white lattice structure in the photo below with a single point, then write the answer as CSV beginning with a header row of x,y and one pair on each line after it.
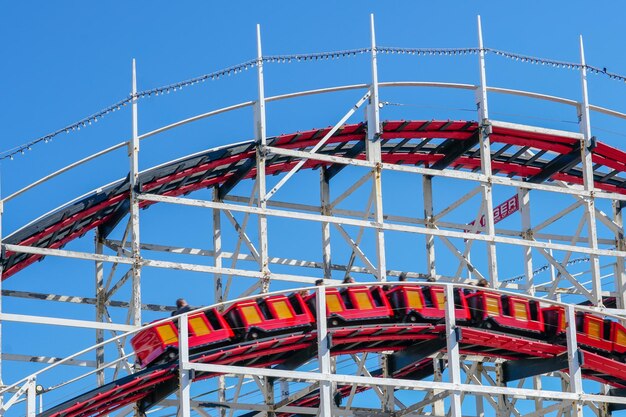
x,y
457,170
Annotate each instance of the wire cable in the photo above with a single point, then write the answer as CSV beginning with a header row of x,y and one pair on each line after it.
x,y
238,68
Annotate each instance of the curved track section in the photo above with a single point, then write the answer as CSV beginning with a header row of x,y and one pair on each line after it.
x,y
149,386
532,155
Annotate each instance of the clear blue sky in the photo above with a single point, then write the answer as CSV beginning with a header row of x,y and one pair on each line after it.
x,y
65,60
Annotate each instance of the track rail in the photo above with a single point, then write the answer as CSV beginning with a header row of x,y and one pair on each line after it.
x,y
532,155
149,386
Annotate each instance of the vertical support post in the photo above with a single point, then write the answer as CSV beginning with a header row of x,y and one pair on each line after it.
x,y
438,406
269,395
573,358
323,353
523,196
566,411
325,211
217,248
373,155
620,244
603,408
483,110
221,394
261,139
557,296
452,343
31,399
133,153
427,189
485,159
184,374
100,294
585,149
502,405
388,403
219,293
373,109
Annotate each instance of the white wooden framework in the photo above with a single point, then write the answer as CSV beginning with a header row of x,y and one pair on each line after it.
x,y
461,382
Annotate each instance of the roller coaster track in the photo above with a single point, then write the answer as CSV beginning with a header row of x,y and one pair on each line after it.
x,y
534,155
149,386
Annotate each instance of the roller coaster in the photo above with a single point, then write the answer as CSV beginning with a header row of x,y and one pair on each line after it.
x,y
362,319
423,346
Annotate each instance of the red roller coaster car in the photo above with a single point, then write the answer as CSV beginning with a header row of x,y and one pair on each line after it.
x,y
206,328
360,303
591,331
400,305
415,304
512,312
269,315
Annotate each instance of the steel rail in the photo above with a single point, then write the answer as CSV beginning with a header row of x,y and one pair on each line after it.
x,y
15,385
388,84
64,169
313,376
393,167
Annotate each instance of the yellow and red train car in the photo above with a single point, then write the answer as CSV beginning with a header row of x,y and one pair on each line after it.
x,y
406,305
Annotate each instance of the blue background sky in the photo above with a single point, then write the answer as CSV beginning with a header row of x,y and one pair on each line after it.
x,y
65,60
